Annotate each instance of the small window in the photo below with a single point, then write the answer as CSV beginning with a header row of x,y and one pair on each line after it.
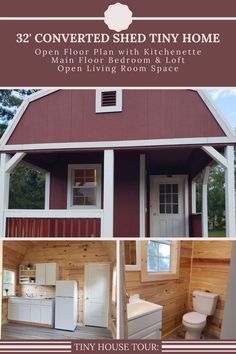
x,y
159,256
160,260
108,100
9,282
84,186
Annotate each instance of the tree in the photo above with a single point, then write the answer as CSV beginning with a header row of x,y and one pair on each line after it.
x,y
26,185
216,198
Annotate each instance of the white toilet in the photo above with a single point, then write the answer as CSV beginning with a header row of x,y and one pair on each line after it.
x,y
204,304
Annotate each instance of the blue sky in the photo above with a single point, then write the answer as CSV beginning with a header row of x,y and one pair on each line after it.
x,y
225,99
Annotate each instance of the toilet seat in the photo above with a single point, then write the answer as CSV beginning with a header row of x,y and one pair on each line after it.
x,y
194,319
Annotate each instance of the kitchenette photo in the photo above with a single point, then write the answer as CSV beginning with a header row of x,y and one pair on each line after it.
x,y
58,290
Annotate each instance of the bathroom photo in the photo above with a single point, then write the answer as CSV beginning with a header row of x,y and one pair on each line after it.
x,y
175,290
58,290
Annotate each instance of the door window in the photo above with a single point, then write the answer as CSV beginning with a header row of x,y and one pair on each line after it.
x,y
168,198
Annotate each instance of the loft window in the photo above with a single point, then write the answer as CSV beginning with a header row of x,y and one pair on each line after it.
x,y
84,186
108,100
160,260
9,282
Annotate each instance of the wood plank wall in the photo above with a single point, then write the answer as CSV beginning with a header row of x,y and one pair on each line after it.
x,y
210,269
71,257
172,294
204,265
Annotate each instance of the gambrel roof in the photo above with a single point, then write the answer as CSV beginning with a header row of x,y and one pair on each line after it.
x,y
67,119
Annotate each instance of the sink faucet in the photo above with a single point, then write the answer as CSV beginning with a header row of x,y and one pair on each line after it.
x,y
127,295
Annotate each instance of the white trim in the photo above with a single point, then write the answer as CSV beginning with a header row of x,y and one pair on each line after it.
x,y
54,213
142,196
137,266
206,173
215,111
119,143
47,190
4,191
230,193
186,206
98,186
194,196
213,153
108,194
13,162
98,101
12,125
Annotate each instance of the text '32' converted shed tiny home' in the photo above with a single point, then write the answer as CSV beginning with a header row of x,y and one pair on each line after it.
x,y
117,163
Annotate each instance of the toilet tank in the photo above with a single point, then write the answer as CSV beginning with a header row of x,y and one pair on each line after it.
x,y
204,302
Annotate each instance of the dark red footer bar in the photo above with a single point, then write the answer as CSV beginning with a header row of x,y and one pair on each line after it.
x,y
117,346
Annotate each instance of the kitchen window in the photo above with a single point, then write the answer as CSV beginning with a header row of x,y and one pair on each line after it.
x,y
108,100
84,186
160,260
9,283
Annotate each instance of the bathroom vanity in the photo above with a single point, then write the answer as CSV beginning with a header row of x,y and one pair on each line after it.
x,y
144,320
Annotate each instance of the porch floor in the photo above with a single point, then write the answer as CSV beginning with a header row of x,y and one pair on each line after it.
x,y
12,331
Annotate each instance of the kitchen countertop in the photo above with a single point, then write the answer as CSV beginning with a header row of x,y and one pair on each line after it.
x,y
31,298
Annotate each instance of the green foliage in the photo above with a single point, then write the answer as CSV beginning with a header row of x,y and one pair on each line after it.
x,y
26,189
26,185
216,199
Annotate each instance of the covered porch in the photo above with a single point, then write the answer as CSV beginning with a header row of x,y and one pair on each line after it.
x,y
121,192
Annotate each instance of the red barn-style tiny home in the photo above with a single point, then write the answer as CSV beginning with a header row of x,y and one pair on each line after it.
x,y
117,163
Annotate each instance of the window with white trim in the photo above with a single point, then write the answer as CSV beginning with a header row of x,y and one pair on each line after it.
x,y
160,260
108,100
8,282
84,186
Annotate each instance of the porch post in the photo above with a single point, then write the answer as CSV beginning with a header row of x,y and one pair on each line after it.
x,y
108,194
142,197
4,191
47,191
205,202
230,192
194,199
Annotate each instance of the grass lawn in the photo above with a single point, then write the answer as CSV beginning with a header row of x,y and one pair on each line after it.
x,y
217,233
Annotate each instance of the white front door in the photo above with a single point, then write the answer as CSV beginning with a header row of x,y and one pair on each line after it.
x,y
167,215
97,280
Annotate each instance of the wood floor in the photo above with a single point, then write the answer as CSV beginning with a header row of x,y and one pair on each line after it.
x,y
13,331
179,334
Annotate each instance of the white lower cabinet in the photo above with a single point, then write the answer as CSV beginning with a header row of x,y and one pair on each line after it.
x,y
35,315
46,314
13,311
147,326
32,311
24,312
152,332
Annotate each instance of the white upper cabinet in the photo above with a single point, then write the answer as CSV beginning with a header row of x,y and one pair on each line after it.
x,y
40,274
51,273
47,273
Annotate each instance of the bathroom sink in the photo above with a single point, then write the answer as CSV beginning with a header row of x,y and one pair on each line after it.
x,y
141,308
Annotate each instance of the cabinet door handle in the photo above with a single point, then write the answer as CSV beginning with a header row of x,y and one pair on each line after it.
x,y
160,329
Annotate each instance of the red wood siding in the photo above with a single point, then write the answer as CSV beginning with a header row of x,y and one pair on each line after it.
x,y
126,195
195,225
69,116
52,227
